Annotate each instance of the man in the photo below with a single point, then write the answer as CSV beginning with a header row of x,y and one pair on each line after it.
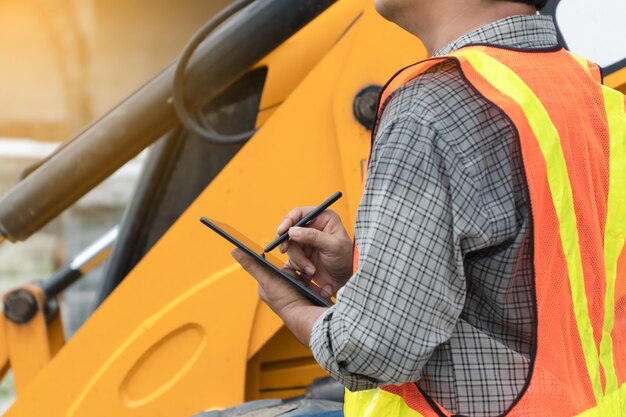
x,y
468,300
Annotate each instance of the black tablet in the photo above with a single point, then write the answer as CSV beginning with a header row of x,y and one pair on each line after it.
x,y
254,250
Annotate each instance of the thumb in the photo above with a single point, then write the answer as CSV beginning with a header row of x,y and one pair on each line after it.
x,y
312,237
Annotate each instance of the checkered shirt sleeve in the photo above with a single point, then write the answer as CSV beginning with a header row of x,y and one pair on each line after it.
x,y
405,239
443,294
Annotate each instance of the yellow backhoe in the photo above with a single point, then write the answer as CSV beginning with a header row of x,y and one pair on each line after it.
x,y
277,98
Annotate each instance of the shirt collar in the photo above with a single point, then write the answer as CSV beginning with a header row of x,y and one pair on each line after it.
x,y
521,31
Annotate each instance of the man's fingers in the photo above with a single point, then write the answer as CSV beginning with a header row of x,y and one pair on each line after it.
x,y
245,260
312,237
299,261
283,247
292,218
326,288
327,291
251,266
295,215
262,275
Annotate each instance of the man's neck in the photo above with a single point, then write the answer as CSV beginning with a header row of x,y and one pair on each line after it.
x,y
446,23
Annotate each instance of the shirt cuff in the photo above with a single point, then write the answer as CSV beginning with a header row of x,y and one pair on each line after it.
x,y
323,352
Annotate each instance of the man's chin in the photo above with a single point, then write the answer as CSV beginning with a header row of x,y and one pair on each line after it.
x,y
384,9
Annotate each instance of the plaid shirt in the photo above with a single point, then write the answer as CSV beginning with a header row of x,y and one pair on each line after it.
x,y
444,291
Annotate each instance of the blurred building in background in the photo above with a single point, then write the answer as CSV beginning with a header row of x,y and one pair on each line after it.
x,y
64,64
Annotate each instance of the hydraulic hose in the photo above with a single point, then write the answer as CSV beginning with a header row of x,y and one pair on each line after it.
x,y
178,99
233,48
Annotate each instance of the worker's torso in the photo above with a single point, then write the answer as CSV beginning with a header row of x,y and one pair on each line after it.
x,y
563,304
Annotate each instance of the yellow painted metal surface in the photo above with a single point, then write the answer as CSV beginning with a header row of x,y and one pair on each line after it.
x,y
283,364
28,345
56,335
4,351
617,80
185,330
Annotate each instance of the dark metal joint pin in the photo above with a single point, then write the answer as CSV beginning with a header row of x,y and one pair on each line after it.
x,y
20,306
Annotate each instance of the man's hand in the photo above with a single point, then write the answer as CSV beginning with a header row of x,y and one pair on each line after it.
x,y
322,250
287,302
276,293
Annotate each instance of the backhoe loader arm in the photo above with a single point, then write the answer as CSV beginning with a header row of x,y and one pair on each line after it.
x,y
148,114
184,331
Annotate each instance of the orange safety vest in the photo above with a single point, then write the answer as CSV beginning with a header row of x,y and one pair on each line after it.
x,y
572,132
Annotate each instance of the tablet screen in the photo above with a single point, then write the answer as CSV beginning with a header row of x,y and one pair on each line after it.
x,y
268,261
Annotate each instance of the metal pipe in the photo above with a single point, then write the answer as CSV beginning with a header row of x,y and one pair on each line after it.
x,y
141,119
84,262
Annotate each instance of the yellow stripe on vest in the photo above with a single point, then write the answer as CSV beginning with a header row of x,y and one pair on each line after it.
x,y
510,84
376,403
612,405
615,228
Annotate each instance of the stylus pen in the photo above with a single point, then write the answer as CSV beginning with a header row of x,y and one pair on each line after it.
x,y
304,221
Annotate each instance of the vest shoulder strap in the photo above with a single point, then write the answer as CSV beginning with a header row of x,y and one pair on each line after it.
x,y
411,72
